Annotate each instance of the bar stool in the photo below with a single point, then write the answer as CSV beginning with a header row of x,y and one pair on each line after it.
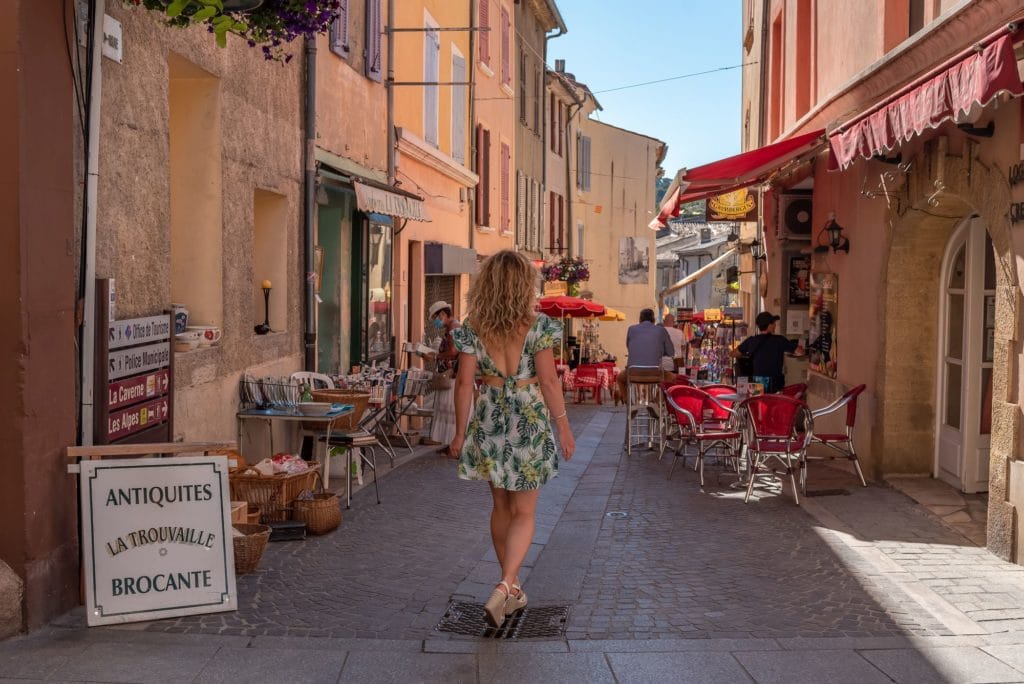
x,y
643,407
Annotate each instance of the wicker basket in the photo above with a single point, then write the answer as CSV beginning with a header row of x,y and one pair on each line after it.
x,y
249,547
349,421
322,513
273,494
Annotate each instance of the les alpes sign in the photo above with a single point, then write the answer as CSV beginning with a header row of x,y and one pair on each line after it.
x,y
156,538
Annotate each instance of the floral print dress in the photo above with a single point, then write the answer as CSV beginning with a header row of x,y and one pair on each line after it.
x,y
509,440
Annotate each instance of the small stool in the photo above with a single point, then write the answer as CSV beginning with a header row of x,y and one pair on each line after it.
x,y
350,441
642,407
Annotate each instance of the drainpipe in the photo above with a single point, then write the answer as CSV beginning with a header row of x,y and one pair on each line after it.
x,y
762,116
544,131
390,87
309,207
568,174
87,286
471,124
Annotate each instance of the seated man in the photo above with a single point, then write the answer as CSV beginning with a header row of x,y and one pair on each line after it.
x,y
647,344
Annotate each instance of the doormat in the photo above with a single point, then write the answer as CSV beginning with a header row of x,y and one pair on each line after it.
x,y
827,492
540,622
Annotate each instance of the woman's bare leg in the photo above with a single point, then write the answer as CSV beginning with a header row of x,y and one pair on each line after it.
x,y
519,534
501,516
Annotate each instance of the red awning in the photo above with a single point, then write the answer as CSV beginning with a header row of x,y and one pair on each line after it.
x,y
975,79
733,173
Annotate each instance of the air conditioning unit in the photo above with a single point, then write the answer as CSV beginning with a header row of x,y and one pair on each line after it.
x,y
795,213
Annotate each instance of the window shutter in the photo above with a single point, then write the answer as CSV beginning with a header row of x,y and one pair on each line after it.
x,y
374,68
506,51
339,31
561,126
561,222
579,161
552,143
522,86
538,215
503,192
431,55
485,35
585,163
480,174
487,175
553,204
459,110
538,102
521,238
533,214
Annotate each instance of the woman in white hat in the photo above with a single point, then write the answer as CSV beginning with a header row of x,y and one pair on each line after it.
x,y
442,427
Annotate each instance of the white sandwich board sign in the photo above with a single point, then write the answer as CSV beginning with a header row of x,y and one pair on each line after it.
x,y
156,538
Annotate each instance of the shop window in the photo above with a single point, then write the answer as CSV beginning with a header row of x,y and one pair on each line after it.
x,y
377,287
270,251
195,190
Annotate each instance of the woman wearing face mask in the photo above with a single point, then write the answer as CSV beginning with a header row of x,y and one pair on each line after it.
x,y
442,427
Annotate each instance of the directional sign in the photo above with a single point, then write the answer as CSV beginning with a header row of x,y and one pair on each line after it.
x,y
138,331
137,360
141,387
136,418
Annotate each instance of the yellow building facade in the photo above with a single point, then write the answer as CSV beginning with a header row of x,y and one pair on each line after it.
x,y
432,260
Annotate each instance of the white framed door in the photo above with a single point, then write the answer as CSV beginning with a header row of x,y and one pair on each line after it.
x,y
966,329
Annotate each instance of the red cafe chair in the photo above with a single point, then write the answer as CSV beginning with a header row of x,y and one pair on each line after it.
x,y
841,442
688,405
587,379
796,391
774,445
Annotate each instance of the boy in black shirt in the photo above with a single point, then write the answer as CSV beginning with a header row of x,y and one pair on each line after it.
x,y
767,351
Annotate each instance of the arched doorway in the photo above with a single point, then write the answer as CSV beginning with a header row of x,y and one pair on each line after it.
x,y
967,328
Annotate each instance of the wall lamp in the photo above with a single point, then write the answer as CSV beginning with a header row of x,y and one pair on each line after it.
x,y
836,240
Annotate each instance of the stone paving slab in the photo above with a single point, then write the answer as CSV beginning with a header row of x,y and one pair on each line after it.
x,y
812,667
967,665
242,666
410,667
112,662
545,667
677,667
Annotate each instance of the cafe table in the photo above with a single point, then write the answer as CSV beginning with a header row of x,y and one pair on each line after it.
x,y
293,415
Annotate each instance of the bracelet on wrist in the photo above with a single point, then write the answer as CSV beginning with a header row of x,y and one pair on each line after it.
x,y
563,414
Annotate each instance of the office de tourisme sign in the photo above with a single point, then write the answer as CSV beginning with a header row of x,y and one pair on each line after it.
x,y
156,538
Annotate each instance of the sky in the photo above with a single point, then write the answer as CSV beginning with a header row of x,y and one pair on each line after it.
x,y
612,44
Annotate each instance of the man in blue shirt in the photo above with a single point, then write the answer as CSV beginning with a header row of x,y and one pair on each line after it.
x,y
646,345
767,351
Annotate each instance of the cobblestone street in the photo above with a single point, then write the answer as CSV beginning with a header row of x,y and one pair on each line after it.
x,y
661,579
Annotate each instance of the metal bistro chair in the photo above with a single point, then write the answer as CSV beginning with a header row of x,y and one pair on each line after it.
x,y
841,442
690,407
360,442
769,424
643,413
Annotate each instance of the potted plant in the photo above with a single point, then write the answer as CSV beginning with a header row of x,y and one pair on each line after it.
x,y
267,24
573,270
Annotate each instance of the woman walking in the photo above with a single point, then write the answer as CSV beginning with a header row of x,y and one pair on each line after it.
x,y
442,427
508,439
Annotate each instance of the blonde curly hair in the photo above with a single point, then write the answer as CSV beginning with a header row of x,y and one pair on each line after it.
x,y
502,296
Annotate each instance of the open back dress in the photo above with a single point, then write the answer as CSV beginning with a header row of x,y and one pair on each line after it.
x,y
509,441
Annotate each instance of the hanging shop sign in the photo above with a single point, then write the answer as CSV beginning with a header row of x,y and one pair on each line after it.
x,y
712,315
156,538
378,201
738,205
554,288
824,306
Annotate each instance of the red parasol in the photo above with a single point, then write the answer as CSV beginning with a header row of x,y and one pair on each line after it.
x,y
573,307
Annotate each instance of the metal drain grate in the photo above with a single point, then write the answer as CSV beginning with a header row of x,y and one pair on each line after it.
x,y
531,623
827,492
